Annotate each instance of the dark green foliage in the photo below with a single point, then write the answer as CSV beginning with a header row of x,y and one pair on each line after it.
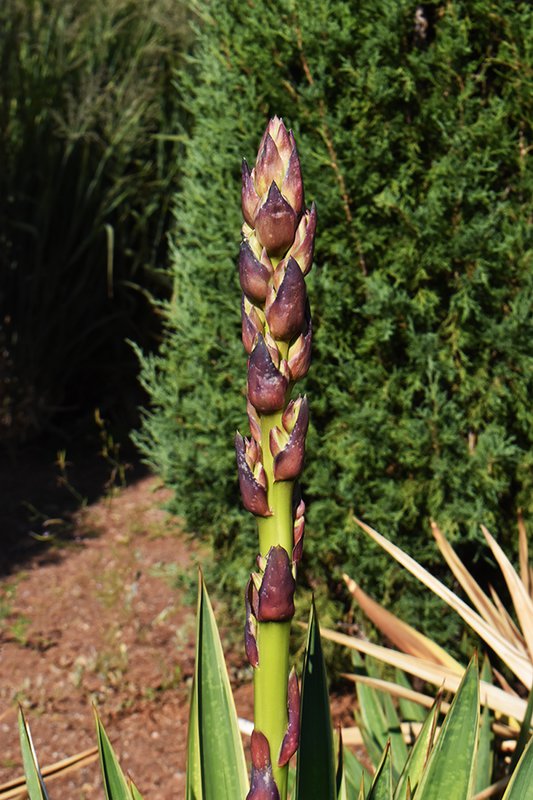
x,y
414,146
87,172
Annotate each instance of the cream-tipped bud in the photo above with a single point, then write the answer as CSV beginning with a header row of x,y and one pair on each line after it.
x,y
291,739
252,477
299,356
303,246
250,198
275,222
254,274
288,462
285,308
250,633
267,383
252,324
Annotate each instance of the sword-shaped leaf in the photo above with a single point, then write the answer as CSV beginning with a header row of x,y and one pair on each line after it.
x,y
135,793
34,780
381,788
216,767
419,755
115,785
485,755
450,769
519,787
315,771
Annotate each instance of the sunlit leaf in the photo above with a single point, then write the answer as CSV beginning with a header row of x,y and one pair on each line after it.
x,y
419,754
381,788
216,768
34,781
519,787
515,660
115,785
450,770
485,756
401,634
523,604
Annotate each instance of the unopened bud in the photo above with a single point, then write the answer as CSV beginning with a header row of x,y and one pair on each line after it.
x,y
262,784
304,240
252,478
250,638
267,384
276,593
251,324
288,462
299,356
254,273
291,739
275,222
285,309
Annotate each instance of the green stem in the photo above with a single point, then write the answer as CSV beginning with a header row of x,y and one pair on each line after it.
x,y
272,675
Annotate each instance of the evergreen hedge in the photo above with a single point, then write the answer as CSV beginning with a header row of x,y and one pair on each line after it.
x,y
413,125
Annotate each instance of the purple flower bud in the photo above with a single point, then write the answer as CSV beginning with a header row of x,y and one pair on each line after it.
x,y
269,167
291,739
252,478
250,198
299,357
251,324
304,241
262,784
267,384
285,309
288,462
275,222
255,424
254,275
276,593
298,537
292,185
250,640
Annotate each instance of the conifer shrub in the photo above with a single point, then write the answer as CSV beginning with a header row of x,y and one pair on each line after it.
x,y
413,125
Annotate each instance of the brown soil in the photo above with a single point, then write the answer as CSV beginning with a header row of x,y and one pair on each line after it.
x,y
101,621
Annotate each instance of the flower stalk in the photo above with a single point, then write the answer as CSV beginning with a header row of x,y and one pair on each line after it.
x,y
275,256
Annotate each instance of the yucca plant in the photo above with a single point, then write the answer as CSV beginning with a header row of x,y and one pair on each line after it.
x,y
507,713
276,254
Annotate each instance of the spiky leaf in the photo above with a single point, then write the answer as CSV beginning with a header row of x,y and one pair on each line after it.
x,y
450,770
34,780
216,768
315,771
115,785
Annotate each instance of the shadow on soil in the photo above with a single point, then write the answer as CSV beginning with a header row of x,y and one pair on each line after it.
x,y
45,482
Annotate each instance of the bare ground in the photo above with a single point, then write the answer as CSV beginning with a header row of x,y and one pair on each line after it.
x,y
101,621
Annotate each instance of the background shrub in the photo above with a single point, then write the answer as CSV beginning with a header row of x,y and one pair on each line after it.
x,y
89,154
414,133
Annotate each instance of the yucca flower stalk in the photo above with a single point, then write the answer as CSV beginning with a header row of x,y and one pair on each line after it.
x,y
276,253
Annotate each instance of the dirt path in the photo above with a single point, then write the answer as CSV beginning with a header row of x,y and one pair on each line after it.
x,y
105,620
102,622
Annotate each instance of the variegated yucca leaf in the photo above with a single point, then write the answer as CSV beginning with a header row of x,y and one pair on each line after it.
x,y
34,780
216,767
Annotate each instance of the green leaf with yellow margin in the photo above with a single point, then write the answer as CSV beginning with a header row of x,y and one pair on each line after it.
x,y
521,784
419,755
115,785
381,788
451,767
216,767
315,770
34,780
